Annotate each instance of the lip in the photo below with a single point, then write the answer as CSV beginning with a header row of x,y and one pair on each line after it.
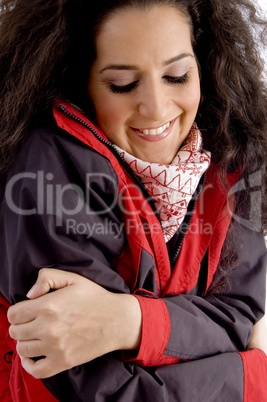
x,y
156,137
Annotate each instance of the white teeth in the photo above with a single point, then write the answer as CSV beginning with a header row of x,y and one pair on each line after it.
x,y
155,131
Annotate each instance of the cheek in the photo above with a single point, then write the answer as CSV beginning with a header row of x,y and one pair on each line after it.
x,y
102,103
110,113
103,106
192,98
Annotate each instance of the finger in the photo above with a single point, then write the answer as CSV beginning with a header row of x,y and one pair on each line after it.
x,y
24,332
22,312
48,279
32,367
42,368
29,348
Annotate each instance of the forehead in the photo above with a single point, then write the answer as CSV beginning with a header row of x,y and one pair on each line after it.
x,y
161,31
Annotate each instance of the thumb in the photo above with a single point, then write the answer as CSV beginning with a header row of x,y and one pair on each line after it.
x,y
49,279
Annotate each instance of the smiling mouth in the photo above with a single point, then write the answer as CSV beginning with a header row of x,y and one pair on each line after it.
x,y
155,134
155,131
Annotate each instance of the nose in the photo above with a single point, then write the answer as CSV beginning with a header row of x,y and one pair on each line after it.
x,y
154,102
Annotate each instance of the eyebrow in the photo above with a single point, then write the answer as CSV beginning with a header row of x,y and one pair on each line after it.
x,y
177,58
130,68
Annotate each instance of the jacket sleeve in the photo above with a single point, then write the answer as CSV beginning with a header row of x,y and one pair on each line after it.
x,y
219,378
34,240
5,353
55,217
197,327
210,375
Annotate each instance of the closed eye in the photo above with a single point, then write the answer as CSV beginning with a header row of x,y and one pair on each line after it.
x,y
176,80
122,89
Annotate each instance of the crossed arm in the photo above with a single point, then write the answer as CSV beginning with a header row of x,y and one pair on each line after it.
x,y
83,321
78,323
74,325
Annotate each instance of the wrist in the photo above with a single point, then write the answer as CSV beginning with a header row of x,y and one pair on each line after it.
x,y
127,322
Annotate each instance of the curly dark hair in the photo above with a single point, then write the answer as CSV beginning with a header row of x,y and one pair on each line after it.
x,y
47,47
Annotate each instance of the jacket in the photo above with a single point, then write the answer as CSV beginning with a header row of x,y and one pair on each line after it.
x,y
72,203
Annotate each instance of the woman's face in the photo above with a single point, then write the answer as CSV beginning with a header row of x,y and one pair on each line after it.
x,y
144,82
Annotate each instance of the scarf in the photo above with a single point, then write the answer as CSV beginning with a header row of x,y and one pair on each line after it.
x,y
172,186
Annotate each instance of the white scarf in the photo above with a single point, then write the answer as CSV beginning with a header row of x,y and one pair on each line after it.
x,y
172,186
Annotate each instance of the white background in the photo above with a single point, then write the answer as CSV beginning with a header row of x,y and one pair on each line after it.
x,y
263,4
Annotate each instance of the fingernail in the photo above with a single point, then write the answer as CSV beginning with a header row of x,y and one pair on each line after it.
x,y
32,291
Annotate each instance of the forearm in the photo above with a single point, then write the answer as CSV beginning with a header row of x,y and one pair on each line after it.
x,y
126,381
196,327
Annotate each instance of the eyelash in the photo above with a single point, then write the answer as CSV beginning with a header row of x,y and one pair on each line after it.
x,y
123,89
177,80
129,87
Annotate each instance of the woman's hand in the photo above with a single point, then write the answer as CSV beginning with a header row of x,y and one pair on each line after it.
x,y
73,325
259,336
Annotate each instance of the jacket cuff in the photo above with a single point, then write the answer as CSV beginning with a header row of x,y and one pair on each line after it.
x,y
156,327
255,375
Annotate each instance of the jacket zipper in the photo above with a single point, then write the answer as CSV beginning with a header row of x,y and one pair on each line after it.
x,y
121,160
185,224
187,219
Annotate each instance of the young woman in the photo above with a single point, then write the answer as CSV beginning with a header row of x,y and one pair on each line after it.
x,y
133,146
